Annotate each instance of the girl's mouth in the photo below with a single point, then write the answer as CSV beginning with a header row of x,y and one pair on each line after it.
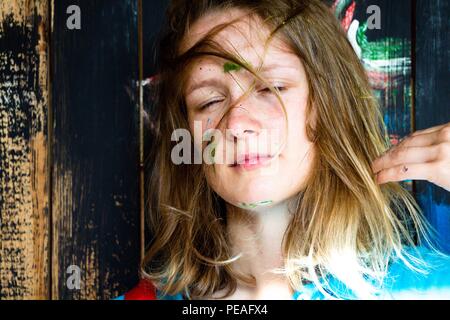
x,y
252,161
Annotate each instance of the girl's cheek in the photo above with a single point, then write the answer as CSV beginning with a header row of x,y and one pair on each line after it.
x,y
209,123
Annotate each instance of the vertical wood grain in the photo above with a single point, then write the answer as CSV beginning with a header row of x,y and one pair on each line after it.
x,y
96,218
153,13
432,99
24,182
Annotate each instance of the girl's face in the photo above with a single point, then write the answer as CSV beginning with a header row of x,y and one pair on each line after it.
x,y
257,160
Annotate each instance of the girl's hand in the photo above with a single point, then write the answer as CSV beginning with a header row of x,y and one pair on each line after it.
x,y
423,155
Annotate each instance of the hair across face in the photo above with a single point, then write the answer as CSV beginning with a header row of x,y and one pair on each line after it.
x,y
258,158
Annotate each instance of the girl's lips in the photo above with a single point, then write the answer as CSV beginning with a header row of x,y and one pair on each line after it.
x,y
252,162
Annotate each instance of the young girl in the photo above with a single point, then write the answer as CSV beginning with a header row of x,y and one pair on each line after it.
x,y
290,198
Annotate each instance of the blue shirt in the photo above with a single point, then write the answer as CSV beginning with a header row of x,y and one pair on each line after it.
x,y
400,283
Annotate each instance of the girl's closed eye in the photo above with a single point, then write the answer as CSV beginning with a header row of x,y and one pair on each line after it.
x,y
264,90
210,103
277,88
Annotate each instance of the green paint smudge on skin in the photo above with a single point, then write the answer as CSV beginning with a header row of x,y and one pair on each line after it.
x,y
208,134
253,205
263,203
230,66
209,138
213,154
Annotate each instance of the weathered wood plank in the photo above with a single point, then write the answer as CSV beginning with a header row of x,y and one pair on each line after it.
x,y
153,13
24,187
95,155
432,99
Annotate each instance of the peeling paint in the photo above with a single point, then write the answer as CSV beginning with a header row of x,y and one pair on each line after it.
x,y
23,151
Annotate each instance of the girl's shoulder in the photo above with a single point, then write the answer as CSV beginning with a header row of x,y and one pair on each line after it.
x,y
145,290
432,283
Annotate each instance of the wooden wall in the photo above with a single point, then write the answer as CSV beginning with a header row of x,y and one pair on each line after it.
x,y
432,98
72,138
24,150
95,153
69,149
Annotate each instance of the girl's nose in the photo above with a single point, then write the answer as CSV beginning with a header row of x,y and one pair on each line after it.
x,y
241,123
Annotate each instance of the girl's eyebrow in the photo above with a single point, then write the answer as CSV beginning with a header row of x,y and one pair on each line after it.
x,y
272,66
203,83
216,82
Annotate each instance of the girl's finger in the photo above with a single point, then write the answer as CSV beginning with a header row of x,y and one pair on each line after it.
x,y
422,140
406,155
413,171
428,130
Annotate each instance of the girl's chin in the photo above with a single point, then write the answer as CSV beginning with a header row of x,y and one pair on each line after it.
x,y
258,188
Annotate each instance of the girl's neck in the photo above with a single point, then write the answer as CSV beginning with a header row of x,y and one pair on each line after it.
x,y
257,235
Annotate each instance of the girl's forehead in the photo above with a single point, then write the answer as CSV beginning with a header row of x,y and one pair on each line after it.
x,y
247,40
246,31
273,57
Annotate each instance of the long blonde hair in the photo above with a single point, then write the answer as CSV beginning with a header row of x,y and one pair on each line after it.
x,y
344,224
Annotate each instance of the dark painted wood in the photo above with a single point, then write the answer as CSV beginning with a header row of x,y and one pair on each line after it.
x,y
24,183
153,17
153,13
96,219
432,98
396,95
